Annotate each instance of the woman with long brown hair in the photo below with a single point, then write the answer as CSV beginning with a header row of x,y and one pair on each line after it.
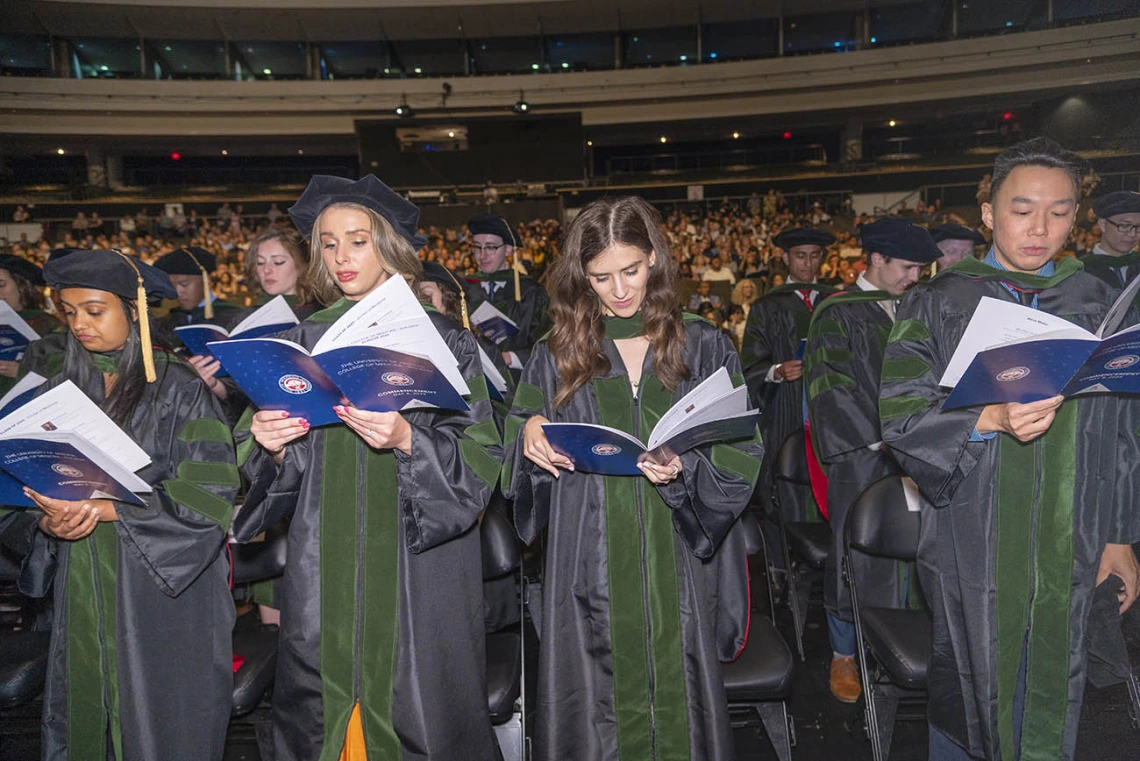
x,y
646,582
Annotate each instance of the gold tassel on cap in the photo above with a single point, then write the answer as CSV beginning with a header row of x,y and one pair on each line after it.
x,y
462,299
144,324
208,312
515,265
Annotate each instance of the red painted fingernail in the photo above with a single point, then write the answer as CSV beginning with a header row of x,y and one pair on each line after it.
x,y
284,414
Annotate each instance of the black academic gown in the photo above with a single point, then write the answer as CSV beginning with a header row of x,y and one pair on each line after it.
x,y
646,588
141,652
1117,271
1011,533
163,327
776,324
844,356
382,596
530,312
41,322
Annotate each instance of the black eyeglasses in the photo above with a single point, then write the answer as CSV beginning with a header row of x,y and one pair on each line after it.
x,y
1124,229
481,249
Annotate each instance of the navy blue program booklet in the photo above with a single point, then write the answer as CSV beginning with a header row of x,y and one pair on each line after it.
x,y
55,466
1013,353
712,412
269,320
382,355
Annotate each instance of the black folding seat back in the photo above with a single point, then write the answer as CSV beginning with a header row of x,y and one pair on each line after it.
x,y
258,561
791,460
879,522
501,553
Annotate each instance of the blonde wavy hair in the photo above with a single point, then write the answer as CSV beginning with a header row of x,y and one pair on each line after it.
x,y
395,254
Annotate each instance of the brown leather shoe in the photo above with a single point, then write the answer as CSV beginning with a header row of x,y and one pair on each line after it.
x,y
845,680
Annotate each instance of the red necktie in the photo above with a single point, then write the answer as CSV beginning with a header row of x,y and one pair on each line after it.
x,y
805,294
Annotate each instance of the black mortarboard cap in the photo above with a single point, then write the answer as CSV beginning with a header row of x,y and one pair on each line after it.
x,y
187,261
122,275
1120,202
899,239
437,273
324,190
803,236
18,265
108,271
952,231
492,224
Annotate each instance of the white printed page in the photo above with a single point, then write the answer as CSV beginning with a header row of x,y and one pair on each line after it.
x,y
8,316
27,383
66,408
488,311
690,408
276,312
492,372
391,317
996,323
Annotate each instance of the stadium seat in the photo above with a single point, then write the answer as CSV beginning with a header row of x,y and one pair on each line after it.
x,y
760,679
894,645
809,541
505,648
255,649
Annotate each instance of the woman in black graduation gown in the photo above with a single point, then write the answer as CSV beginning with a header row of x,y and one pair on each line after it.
x,y
382,653
21,285
646,586
275,265
140,660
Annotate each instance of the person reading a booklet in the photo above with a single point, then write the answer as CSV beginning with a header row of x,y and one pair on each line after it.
x,y
653,562
500,291
141,591
21,288
382,650
842,363
275,265
1027,506
189,269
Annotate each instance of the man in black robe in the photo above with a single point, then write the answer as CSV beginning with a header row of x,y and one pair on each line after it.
x,y
1022,501
524,301
955,242
844,356
189,270
772,358
1114,259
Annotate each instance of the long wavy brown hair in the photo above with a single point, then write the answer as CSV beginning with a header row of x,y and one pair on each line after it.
x,y
579,324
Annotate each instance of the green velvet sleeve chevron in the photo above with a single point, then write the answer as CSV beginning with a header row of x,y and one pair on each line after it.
x,y
932,445
183,526
841,366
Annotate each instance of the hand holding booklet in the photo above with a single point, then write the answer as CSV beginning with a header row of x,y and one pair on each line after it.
x,y
1012,353
15,334
714,411
275,317
383,355
63,446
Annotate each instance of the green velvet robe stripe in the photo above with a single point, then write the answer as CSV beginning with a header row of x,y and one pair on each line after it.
x,y
143,603
645,587
776,324
1011,533
381,601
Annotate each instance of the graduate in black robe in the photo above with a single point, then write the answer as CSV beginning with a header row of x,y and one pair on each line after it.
x,y
1025,504
645,583
140,659
189,269
276,264
773,365
518,296
382,653
21,286
842,363
1115,259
